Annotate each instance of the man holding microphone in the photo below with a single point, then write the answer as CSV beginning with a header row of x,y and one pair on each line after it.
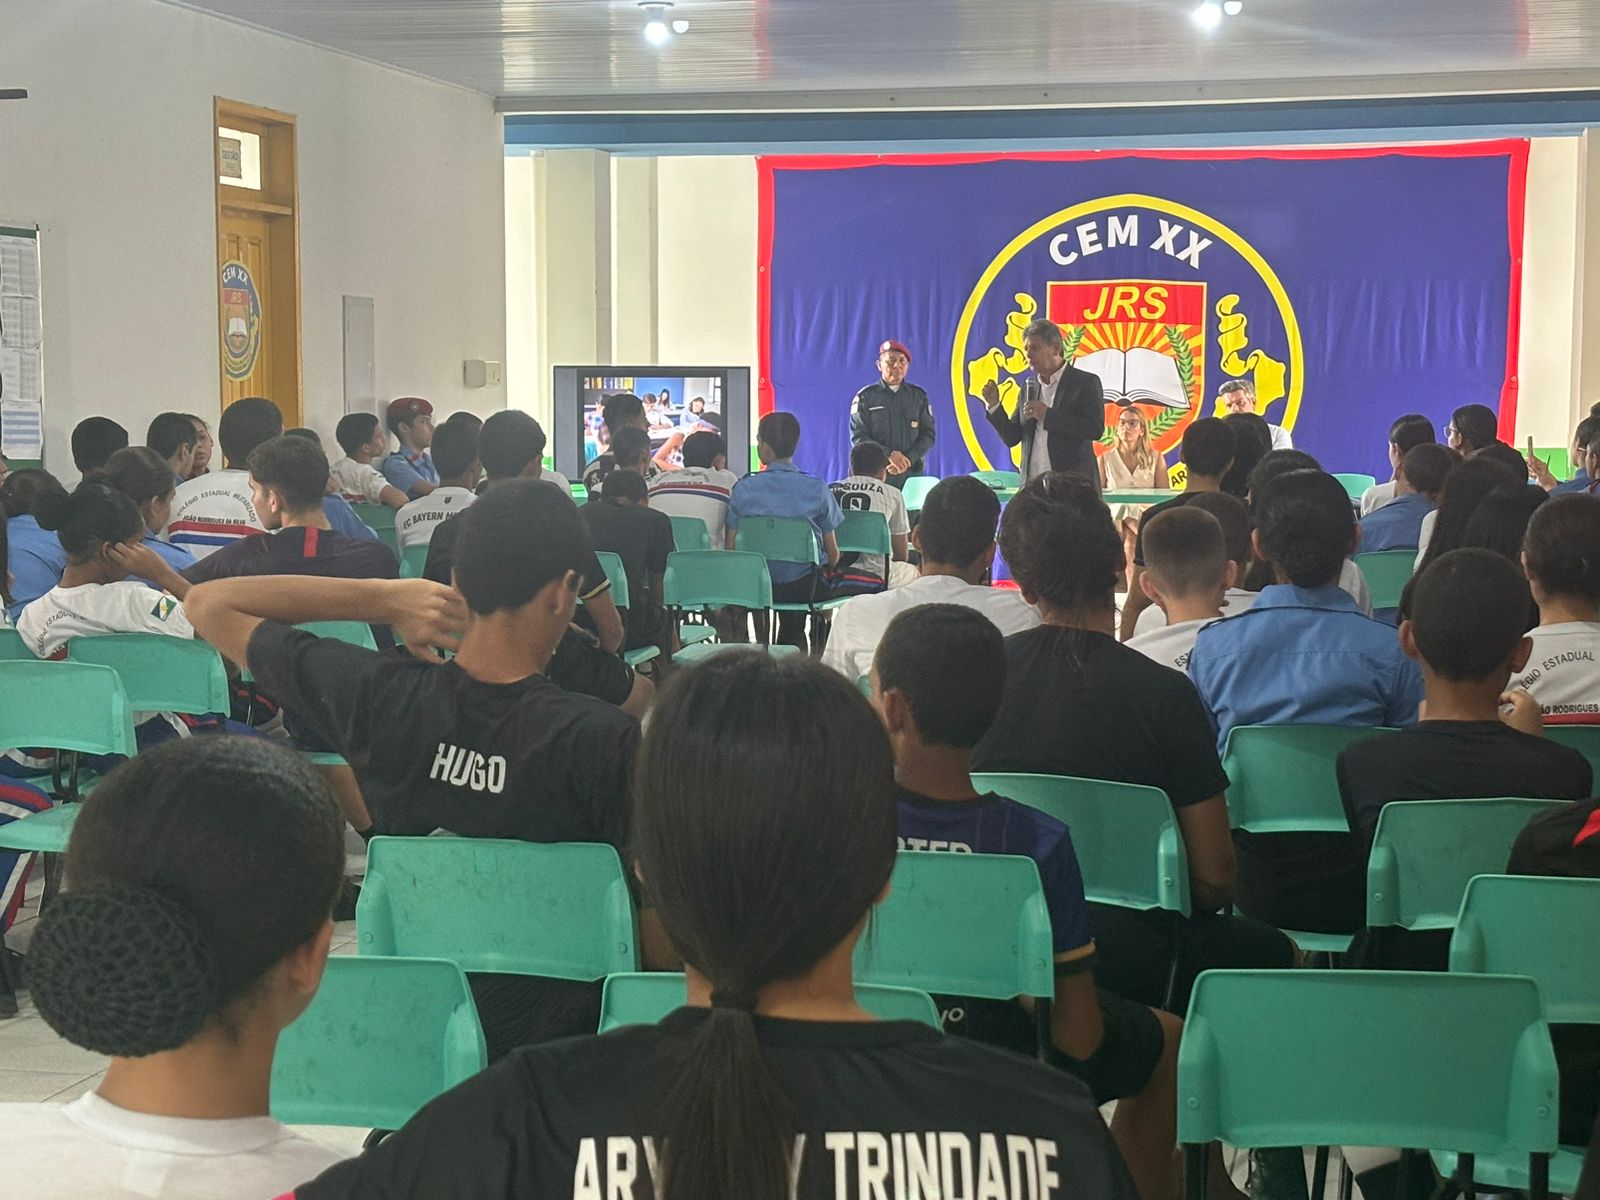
x,y
1060,413
895,414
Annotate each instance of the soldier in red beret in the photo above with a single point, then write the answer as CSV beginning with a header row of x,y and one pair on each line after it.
x,y
895,414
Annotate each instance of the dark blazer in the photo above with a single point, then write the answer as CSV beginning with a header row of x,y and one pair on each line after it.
x,y
1073,425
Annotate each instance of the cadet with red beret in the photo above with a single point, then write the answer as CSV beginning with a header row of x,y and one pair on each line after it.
x,y
895,414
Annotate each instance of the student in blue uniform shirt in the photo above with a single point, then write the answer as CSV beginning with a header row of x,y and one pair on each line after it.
x,y
144,477
410,468
341,517
784,490
1304,654
35,557
1418,480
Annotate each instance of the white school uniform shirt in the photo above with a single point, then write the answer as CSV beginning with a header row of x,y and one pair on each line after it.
x,y
1563,672
859,623
1234,601
1376,496
695,492
211,512
1170,644
863,493
358,482
92,1148
415,521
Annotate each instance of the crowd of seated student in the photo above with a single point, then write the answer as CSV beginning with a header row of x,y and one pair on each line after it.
x,y
455,458
1561,556
1419,477
1411,429
866,489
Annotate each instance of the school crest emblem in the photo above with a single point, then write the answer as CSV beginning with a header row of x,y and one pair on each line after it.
x,y
241,320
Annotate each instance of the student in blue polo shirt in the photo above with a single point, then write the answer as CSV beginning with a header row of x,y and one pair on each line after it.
x,y
1418,479
783,490
1304,654
410,468
35,558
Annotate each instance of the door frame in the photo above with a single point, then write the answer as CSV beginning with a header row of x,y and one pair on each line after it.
x,y
279,202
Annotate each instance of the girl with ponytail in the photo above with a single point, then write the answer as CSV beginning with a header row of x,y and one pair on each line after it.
x,y
34,556
201,878
764,829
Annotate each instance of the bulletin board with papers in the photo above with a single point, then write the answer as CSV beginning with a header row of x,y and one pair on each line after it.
x,y
21,346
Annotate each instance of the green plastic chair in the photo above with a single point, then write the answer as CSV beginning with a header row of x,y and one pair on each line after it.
x,y
1114,828
1583,738
690,533
560,910
12,647
785,539
72,708
1283,781
916,491
381,1038
1398,1058
159,673
1387,572
701,580
1000,481
864,533
612,565
864,685
644,997
1355,483
1425,852
380,519
964,925
413,560
1522,925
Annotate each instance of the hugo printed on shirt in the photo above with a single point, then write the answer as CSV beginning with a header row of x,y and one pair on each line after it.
x,y
460,767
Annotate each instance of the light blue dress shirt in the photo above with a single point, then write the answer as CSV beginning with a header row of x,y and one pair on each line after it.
x,y
1303,656
783,490
344,520
405,470
1578,483
1395,526
36,561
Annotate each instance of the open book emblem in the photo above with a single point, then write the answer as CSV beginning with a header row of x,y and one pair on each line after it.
x,y
1137,376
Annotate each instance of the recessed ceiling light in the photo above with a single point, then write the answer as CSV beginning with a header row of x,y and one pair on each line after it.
x,y
1207,16
1232,8
656,30
682,26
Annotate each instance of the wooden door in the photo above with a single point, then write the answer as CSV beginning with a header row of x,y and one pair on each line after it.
x,y
247,327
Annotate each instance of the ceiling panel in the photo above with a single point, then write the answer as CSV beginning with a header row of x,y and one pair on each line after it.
x,y
552,55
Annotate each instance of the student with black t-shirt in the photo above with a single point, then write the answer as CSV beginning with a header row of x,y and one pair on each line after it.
x,y
511,446
937,679
621,521
1077,702
772,1081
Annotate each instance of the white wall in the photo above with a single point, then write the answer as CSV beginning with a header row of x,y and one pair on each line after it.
x,y
1547,382
401,192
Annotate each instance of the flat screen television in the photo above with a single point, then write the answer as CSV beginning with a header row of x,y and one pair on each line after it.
x,y
677,400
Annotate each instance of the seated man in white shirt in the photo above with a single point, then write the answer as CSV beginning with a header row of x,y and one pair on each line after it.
x,y
1234,518
1239,396
455,457
955,536
362,438
866,490
1412,429
700,489
1186,574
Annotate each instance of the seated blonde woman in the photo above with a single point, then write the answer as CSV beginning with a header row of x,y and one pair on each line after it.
x,y
1131,464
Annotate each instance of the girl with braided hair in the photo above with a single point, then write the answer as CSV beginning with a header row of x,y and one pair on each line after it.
x,y
195,923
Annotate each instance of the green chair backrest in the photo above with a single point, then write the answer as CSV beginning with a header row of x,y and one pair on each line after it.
x,y
1531,925
518,908
916,491
864,685
1368,1058
68,706
1387,572
779,539
961,924
644,997
1282,777
863,533
1583,738
1354,482
612,565
1424,853
690,533
12,647
1114,828
159,673
413,560
1000,481
697,579
381,1038
377,517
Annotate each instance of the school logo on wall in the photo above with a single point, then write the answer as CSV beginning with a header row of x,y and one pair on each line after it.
x,y
1161,301
241,320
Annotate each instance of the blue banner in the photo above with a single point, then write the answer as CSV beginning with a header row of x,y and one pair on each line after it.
x,y
1348,285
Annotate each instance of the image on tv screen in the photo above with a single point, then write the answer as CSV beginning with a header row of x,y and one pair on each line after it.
x,y
675,406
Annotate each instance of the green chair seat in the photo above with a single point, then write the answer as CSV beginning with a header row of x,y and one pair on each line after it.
x,y
1126,836
644,997
916,491
47,831
690,533
1354,482
1425,852
381,1038
1387,572
560,910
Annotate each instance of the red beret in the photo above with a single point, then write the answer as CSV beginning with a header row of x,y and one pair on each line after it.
x,y
408,409
891,344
